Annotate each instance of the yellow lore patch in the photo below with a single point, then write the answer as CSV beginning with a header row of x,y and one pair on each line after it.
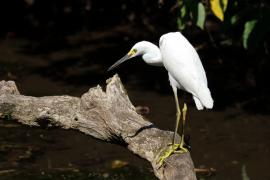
x,y
132,52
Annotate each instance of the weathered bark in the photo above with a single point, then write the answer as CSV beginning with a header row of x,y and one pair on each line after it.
x,y
108,116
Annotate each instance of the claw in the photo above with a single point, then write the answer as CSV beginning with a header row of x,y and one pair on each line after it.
x,y
165,155
173,149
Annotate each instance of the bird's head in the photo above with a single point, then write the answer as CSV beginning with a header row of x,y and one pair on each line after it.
x,y
136,50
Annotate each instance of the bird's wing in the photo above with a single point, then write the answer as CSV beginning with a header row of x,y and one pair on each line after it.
x,y
177,51
183,63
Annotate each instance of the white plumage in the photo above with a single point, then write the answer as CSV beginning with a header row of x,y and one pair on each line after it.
x,y
182,62
185,68
185,71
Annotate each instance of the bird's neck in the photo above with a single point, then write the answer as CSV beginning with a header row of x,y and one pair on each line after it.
x,y
151,54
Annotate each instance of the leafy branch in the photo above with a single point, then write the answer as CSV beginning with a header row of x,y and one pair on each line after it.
x,y
251,17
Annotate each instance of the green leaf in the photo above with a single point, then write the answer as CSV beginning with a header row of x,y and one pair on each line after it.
x,y
224,4
181,20
244,173
201,15
234,19
183,11
248,28
181,25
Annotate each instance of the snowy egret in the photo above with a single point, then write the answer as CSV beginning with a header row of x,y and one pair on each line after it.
x,y
185,71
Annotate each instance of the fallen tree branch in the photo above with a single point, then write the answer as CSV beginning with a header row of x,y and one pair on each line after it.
x,y
108,116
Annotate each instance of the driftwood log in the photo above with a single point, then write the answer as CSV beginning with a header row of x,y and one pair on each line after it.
x,y
108,116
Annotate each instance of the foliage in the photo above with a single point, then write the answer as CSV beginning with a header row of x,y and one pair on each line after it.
x,y
248,28
191,10
218,7
250,16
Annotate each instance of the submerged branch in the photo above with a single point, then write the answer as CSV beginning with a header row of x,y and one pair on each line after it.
x,y
108,116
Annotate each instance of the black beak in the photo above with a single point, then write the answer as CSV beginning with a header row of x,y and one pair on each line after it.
x,y
123,59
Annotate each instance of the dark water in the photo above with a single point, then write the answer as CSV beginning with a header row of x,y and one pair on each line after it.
x,y
230,138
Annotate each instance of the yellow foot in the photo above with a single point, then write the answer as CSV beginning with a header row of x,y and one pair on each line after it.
x,y
175,148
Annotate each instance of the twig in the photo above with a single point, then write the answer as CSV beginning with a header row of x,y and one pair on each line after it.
x,y
7,171
207,171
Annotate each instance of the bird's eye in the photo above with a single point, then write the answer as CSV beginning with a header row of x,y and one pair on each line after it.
x,y
132,52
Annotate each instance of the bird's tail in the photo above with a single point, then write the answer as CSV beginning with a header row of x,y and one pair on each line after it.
x,y
198,103
204,99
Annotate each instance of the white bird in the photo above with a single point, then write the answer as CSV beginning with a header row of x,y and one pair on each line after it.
x,y
185,71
